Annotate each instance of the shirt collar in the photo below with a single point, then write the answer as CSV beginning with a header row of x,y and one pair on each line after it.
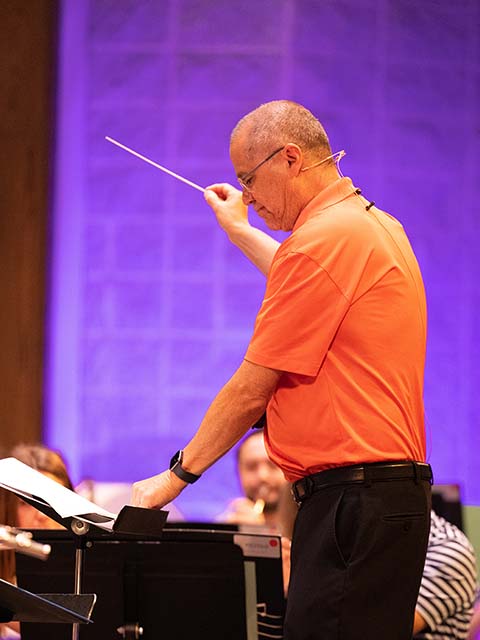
x,y
333,194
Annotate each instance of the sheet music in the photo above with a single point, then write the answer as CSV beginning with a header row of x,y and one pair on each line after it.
x,y
29,483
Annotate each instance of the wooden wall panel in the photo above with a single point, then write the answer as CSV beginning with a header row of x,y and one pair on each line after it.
x,y
27,61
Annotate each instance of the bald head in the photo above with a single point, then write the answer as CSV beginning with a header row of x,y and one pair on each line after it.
x,y
275,124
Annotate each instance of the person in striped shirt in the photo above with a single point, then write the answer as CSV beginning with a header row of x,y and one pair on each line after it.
x,y
449,584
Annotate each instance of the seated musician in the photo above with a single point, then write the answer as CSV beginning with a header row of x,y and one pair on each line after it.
x,y
261,482
17,513
449,584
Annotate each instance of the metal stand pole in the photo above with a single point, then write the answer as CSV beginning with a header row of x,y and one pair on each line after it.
x,y
80,529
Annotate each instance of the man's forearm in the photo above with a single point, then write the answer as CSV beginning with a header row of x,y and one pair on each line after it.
x,y
232,215
235,409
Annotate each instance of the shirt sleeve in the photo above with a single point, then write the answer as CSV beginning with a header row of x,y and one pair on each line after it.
x,y
300,314
448,584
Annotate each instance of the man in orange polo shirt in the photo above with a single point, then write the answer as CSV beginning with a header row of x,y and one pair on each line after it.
x,y
337,359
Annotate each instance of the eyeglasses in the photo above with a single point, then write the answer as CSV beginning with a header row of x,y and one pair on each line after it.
x,y
336,157
246,180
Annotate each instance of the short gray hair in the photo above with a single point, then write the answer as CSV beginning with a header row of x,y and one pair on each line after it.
x,y
281,121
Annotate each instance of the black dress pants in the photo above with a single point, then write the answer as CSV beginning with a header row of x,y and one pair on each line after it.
x,y
358,552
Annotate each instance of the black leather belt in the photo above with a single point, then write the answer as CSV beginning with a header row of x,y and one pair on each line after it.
x,y
361,473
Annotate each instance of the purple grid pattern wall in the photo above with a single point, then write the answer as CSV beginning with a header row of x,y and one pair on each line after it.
x,y
151,308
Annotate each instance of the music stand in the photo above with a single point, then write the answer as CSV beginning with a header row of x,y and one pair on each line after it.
x,y
20,605
75,513
181,585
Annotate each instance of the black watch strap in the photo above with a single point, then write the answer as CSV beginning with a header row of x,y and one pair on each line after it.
x,y
179,471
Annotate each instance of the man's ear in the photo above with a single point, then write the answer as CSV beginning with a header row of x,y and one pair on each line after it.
x,y
294,157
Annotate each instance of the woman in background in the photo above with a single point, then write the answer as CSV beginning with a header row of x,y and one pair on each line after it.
x,y
52,465
17,513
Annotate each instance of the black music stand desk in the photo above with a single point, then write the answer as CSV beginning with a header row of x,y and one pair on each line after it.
x,y
19,605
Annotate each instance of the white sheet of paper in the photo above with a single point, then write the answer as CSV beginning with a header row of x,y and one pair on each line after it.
x,y
22,478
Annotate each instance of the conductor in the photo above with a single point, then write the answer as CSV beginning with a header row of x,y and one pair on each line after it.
x,y
336,359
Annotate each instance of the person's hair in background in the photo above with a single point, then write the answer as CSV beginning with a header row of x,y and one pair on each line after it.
x,y
51,464
45,460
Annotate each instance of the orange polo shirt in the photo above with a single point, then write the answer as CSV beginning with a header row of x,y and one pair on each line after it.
x,y
344,317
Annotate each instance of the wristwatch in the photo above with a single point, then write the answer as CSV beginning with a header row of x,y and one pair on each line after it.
x,y
179,471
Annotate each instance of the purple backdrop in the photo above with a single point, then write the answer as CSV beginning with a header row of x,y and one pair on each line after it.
x,y
151,309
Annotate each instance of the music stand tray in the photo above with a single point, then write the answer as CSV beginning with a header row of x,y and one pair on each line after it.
x,y
23,606
73,511
76,513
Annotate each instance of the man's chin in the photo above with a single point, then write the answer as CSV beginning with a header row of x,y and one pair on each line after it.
x,y
273,226
270,507
268,218
272,223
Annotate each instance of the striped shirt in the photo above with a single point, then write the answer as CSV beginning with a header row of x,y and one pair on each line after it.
x,y
449,583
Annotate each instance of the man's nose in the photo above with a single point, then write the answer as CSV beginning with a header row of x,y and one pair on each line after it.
x,y
263,472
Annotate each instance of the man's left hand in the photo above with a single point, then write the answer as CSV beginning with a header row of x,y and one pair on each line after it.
x,y
157,491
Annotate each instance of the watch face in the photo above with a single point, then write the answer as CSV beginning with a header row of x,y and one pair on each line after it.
x,y
176,458
179,471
